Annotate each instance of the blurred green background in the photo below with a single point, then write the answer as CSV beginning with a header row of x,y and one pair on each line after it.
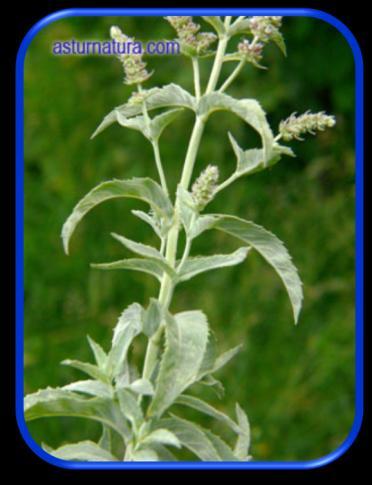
x,y
296,383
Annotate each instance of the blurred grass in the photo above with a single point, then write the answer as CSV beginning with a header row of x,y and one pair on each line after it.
x,y
296,383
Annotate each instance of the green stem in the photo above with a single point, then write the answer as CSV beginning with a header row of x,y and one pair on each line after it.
x,y
195,67
167,286
159,165
232,76
185,255
218,60
226,183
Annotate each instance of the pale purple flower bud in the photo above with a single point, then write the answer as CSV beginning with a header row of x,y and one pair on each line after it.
x,y
204,187
295,126
134,67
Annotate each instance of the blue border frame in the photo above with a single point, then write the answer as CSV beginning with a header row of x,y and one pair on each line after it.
x,y
359,266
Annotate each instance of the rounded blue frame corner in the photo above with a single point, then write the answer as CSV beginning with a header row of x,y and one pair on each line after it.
x,y
359,265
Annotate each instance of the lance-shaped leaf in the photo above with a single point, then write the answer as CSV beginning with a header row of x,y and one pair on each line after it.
x,y
105,440
201,224
154,267
83,451
205,408
160,122
89,369
152,317
253,160
130,407
144,189
271,248
98,352
128,327
145,454
151,128
170,95
224,358
196,265
186,342
224,451
192,437
58,402
161,436
142,387
149,219
91,387
248,110
244,437
187,209
278,39
215,384
163,453
216,23
138,248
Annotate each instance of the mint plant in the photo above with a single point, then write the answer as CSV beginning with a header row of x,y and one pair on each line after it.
x,y
134,406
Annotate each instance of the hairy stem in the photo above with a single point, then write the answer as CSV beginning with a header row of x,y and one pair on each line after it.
x,y
218,60
232,76
166,287
195,67
159,165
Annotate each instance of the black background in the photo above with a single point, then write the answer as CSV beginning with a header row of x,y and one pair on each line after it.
x,y
17,459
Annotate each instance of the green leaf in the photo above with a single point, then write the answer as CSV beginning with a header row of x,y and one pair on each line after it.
x,y
138,248
142,386
224,358
216,23
153,267
90,369
151,129
253,160
91,387
244,439
248,110
201,224
128,327
271,248
210,381
127,374
149,220
152,318
130,407
209,356
145,454
192,437
196,265
160,122
224,451
137,123
187,209
205,408
105,440
83,451
161,436
239,27
99,354
58,402
278,39
144,189
186,342
170,95
163,453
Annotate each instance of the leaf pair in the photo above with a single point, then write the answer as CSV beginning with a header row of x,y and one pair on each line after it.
x,y
144,189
